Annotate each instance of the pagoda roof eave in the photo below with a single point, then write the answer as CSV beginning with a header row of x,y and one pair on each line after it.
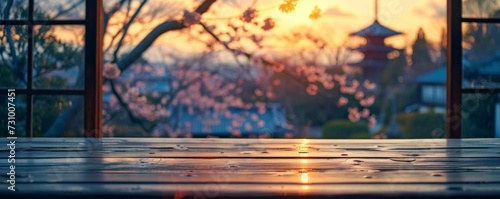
x,y
370,64
376,30
375,48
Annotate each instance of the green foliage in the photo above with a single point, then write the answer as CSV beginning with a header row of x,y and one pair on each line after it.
x,y
314,110
394,71
479,116
382,130
407,97
421,57
480,8
20,115
50,54
421,125
13,58
482,41
45,110
8,77
345,129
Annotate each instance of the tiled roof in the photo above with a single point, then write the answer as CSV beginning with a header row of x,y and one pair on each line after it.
x,y
273,121
386,49
437,76
371,64
376,29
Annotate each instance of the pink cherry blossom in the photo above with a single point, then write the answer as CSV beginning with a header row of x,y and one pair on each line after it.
x,y
368,85
276,82
111,71
261,123
271,95
328,85
191,18
359,95
259,92
367,102
278,68
365,113
268,24
372,121
312,89
249,15
342,101
354,117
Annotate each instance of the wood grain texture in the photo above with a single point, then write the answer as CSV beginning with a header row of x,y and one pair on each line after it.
x,y
225,168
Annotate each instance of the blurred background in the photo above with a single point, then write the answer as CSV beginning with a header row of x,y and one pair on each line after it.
x,y
358,69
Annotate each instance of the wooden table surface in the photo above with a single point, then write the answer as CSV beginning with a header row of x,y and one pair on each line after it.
x,y
252,168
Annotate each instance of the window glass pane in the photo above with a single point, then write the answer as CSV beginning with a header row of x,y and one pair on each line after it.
x,y
481,8
59,57
59,9
481,61
428,94
13,56
440,95
481,116
13,9
11,113
58,116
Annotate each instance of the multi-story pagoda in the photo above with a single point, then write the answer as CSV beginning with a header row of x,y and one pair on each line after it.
x,y
375,50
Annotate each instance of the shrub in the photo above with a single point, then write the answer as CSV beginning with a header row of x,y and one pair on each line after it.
x,y
345,129
421,125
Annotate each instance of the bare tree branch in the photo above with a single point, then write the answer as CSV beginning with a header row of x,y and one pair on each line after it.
x,y
69,9
138,121
109,14
126,28
113,38
8,33
10,40
267,63
66,119
129,112
166,26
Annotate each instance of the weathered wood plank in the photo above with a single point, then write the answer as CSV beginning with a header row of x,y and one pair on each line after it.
x,y
259,164
213,190
290,152
143,146
261,143
285,177
130,167
272,141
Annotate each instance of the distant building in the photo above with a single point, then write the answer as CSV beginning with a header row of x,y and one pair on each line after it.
x,y
268,120
375,50
432,86
483,71
432,91
236,122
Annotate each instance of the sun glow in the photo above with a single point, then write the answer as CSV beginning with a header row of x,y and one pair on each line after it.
x,y
337,19
304,178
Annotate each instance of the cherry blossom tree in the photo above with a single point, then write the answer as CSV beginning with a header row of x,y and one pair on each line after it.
x,y
198,83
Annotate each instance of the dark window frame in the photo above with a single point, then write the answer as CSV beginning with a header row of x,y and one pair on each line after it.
x,y
92,92
455,88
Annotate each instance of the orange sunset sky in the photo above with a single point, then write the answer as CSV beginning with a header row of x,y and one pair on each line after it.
x,y
339,18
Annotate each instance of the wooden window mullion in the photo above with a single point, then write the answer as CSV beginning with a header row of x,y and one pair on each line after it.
x,y
93,68
454,70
